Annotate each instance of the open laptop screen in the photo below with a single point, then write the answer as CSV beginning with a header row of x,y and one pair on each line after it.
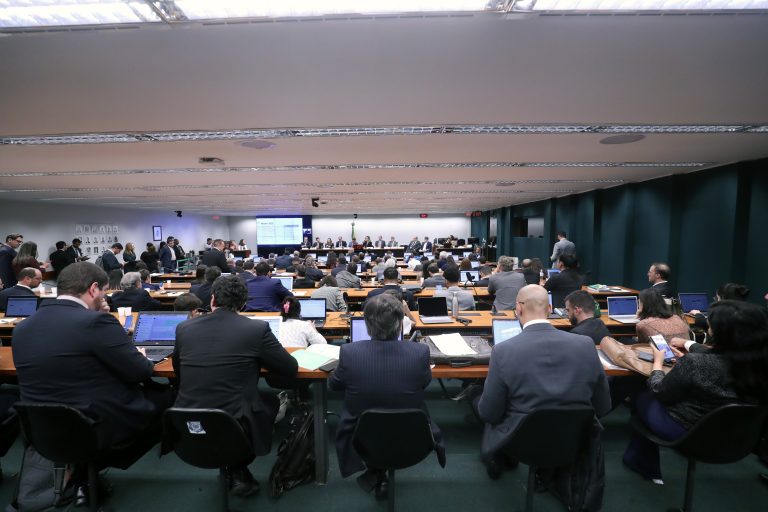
x,y
312,309
287,282
505,329
155,328
552,271
689,301
620,306
21,306
359,332
433,306
474,273
274,323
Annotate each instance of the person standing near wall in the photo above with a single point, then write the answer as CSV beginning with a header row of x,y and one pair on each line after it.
x,y
561,247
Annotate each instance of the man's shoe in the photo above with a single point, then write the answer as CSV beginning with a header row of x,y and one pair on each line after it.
x,y
494,468
83,495
368,480
467,393
382,489
242,483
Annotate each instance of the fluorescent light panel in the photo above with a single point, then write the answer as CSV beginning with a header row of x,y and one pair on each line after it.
x,y
357,131
43,13
640,5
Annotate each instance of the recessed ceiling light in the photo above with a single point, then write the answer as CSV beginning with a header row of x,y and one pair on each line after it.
x,y
623,139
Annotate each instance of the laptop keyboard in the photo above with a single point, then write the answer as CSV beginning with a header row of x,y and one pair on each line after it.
x,y
157,353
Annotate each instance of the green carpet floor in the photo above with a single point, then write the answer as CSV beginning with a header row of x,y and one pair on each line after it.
x,y
169,485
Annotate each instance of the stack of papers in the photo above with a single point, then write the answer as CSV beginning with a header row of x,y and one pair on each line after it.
x,y
452,345
315,356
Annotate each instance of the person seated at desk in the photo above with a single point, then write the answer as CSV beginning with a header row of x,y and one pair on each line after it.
x,y
203,291
414,246
658,276
265,293
73,352
392,242
341,265
379,374
302,281
218,360
435,277
285,260
657,318
310,266
735,370
340,243
391,280
146,281
295,332
367,242
216,257
306,244
133,295
329,290
530,274
328,243
317,243
505,284
465,298
348,278
484,272
200,274
541,367
28,278
188,302
241,245
567,281
580,308
295,262
378,265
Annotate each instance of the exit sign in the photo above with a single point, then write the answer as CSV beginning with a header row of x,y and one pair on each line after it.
x,y
423,215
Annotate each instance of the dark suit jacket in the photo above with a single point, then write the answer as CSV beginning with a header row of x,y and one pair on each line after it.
x,y
60,259
166,260
594,328
561,285
340,244
218,358
73,253
109,261
541,367
303,282
407,296
665,289
68,354
380,244
203,291
265,294
14,291
379,375
138,299
284,261
216,258
427,247
7,275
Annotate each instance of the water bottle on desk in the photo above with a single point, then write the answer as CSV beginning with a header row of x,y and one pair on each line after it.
x,y
455,305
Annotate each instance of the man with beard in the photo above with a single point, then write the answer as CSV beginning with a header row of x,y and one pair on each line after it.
x,y
580,307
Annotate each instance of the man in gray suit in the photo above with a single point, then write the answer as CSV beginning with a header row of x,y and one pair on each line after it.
x,y
562,246
505,283
541,367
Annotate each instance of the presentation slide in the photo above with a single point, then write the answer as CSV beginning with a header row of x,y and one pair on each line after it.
x,y
279,231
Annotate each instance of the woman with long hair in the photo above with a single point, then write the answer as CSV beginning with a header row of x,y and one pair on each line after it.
x,y
657,318
735,370
295,332
26,257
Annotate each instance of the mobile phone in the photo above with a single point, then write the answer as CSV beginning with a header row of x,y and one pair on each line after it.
x,y
661,345
128,323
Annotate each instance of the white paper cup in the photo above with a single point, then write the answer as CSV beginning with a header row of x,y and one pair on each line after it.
x,y
121,312
127,311
54,291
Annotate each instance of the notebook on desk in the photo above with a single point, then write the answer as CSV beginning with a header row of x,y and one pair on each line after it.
x,y
623,309
434,310
359,332
155,331
313,309
21,307
691,301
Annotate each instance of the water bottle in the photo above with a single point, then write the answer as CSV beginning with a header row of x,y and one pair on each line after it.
x,y
541,275
455,305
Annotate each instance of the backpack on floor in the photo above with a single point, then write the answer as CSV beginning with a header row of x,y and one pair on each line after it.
x,y
295,462
41,485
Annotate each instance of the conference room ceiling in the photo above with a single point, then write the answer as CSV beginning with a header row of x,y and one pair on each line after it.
x,y
408,114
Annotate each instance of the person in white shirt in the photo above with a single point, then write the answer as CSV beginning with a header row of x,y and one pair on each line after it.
x,y
295,332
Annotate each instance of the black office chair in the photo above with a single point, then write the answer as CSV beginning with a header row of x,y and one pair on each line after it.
x,y
549,438
9,431
390,439
63,435
725,435
209,439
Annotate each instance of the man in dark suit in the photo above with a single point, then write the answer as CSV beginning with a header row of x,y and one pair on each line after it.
x,y
427,245
71,351
74,251
541,367
391,281
178,249
580,307
567,281
216,258
168,257
340,243
380,243
485,275
217,359
109,258
7,253
381,373
302,281
60,258
204,290
658,276
28,278
285,260
133,295
265,293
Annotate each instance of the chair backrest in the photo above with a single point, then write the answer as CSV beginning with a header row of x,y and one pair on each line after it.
x,y
393,438
206,438
725,435
58,432
551,437
9,431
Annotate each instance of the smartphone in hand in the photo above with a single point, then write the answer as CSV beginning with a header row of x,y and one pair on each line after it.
x,y
662,346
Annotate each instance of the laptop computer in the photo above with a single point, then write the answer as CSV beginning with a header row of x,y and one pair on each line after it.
x,y
467,253
475,264
274,323
466,274
156,332
313,309
553,271
287,282
314,255
556,313
434,310
689,301
504,329
359,332
322,259
623,309
21,307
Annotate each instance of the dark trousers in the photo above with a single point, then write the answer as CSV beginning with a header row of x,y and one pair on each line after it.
x,y
642,455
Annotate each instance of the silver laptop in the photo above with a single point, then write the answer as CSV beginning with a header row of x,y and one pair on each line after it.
x,y
434,310
505,329
156,332
623,309
313,309
287,282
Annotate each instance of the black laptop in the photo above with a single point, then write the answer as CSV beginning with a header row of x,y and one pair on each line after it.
x,y
156,332
434,310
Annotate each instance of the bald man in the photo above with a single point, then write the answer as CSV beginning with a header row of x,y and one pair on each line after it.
x,y
541,367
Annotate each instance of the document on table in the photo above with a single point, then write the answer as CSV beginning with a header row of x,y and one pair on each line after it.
x,y
310,360
452,344
325,349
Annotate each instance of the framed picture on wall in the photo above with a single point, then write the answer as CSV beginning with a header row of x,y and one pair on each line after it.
x,y
157,233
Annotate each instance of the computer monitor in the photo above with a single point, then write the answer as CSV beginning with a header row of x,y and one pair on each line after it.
x,y
359,332
620,306
286,280
690,301
313,254
441,241
467,253
473,240
322,259
504,329
157,327
475,264
312,309
428,255
274,323
407,256
20,306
